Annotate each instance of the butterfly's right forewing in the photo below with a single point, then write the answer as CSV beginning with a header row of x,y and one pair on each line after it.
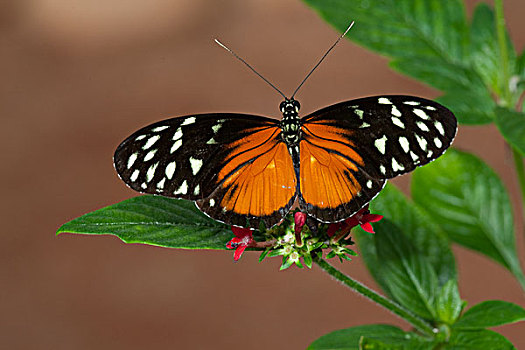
x,y
361,143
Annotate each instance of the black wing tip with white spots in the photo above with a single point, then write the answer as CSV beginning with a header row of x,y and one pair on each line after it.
x,y
432,127
171,157
393,133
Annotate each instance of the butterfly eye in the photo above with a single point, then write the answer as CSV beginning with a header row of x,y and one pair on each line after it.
x,y
282,106
296,105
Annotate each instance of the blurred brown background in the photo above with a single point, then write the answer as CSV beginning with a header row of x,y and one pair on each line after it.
x,y
78,77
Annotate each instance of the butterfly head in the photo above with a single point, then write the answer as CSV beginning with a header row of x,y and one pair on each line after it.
x,y
290,107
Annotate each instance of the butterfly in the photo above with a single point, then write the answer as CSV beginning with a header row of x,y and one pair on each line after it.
x,y
244,169
241,169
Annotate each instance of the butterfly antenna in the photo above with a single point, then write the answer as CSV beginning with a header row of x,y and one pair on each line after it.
x,y
247,65
322,58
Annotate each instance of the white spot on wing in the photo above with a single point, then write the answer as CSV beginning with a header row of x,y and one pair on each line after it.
x,y
188,121
160,128
396,166
196,165
403,141
414,157
135,175
196,190
170,170
422,142
178,134
430,108
396,111
422,126
398,122
440,128
176,145
369,184
212,202
412,103
438,142
382,169
421,114
160,185
140,137
211,141
359,113
364,125
216,127
151,172
132,159
183,189
151,141
150,155
384,101
380,144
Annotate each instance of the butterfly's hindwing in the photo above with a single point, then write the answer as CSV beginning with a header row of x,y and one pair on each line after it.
x,y
222,161
367,141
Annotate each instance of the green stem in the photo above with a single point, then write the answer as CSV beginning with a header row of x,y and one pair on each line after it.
x,y
518,161
388,304
504,57
520,172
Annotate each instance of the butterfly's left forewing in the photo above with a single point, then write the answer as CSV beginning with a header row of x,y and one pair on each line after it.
x,y
234,166
350,149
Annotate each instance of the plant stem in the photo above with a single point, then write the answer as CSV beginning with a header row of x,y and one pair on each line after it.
x,y
504,57
518,160
520,172
388,304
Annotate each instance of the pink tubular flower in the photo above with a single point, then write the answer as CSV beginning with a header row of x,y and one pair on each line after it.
x,y
362,218
300,220
243,239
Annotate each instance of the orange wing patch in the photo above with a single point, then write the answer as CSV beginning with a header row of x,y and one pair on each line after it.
x,y
327,167
259,177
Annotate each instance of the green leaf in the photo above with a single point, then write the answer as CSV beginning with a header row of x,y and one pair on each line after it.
x,y
489,314
401,344
407,273
511,124
349,338
419,227
448,303
472,107
485,53
367,248
432,42
478,339
154,220
471,205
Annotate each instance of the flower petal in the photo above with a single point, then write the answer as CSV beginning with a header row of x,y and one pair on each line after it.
x,y
233,243
241,232
300,220
372,218
238,252
367,227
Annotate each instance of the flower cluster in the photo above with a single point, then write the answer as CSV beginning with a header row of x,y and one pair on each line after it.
x,y
297,238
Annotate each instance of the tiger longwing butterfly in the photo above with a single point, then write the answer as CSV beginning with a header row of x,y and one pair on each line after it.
x,y
242,169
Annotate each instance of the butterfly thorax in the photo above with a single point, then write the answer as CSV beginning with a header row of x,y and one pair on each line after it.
x,y
291,123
